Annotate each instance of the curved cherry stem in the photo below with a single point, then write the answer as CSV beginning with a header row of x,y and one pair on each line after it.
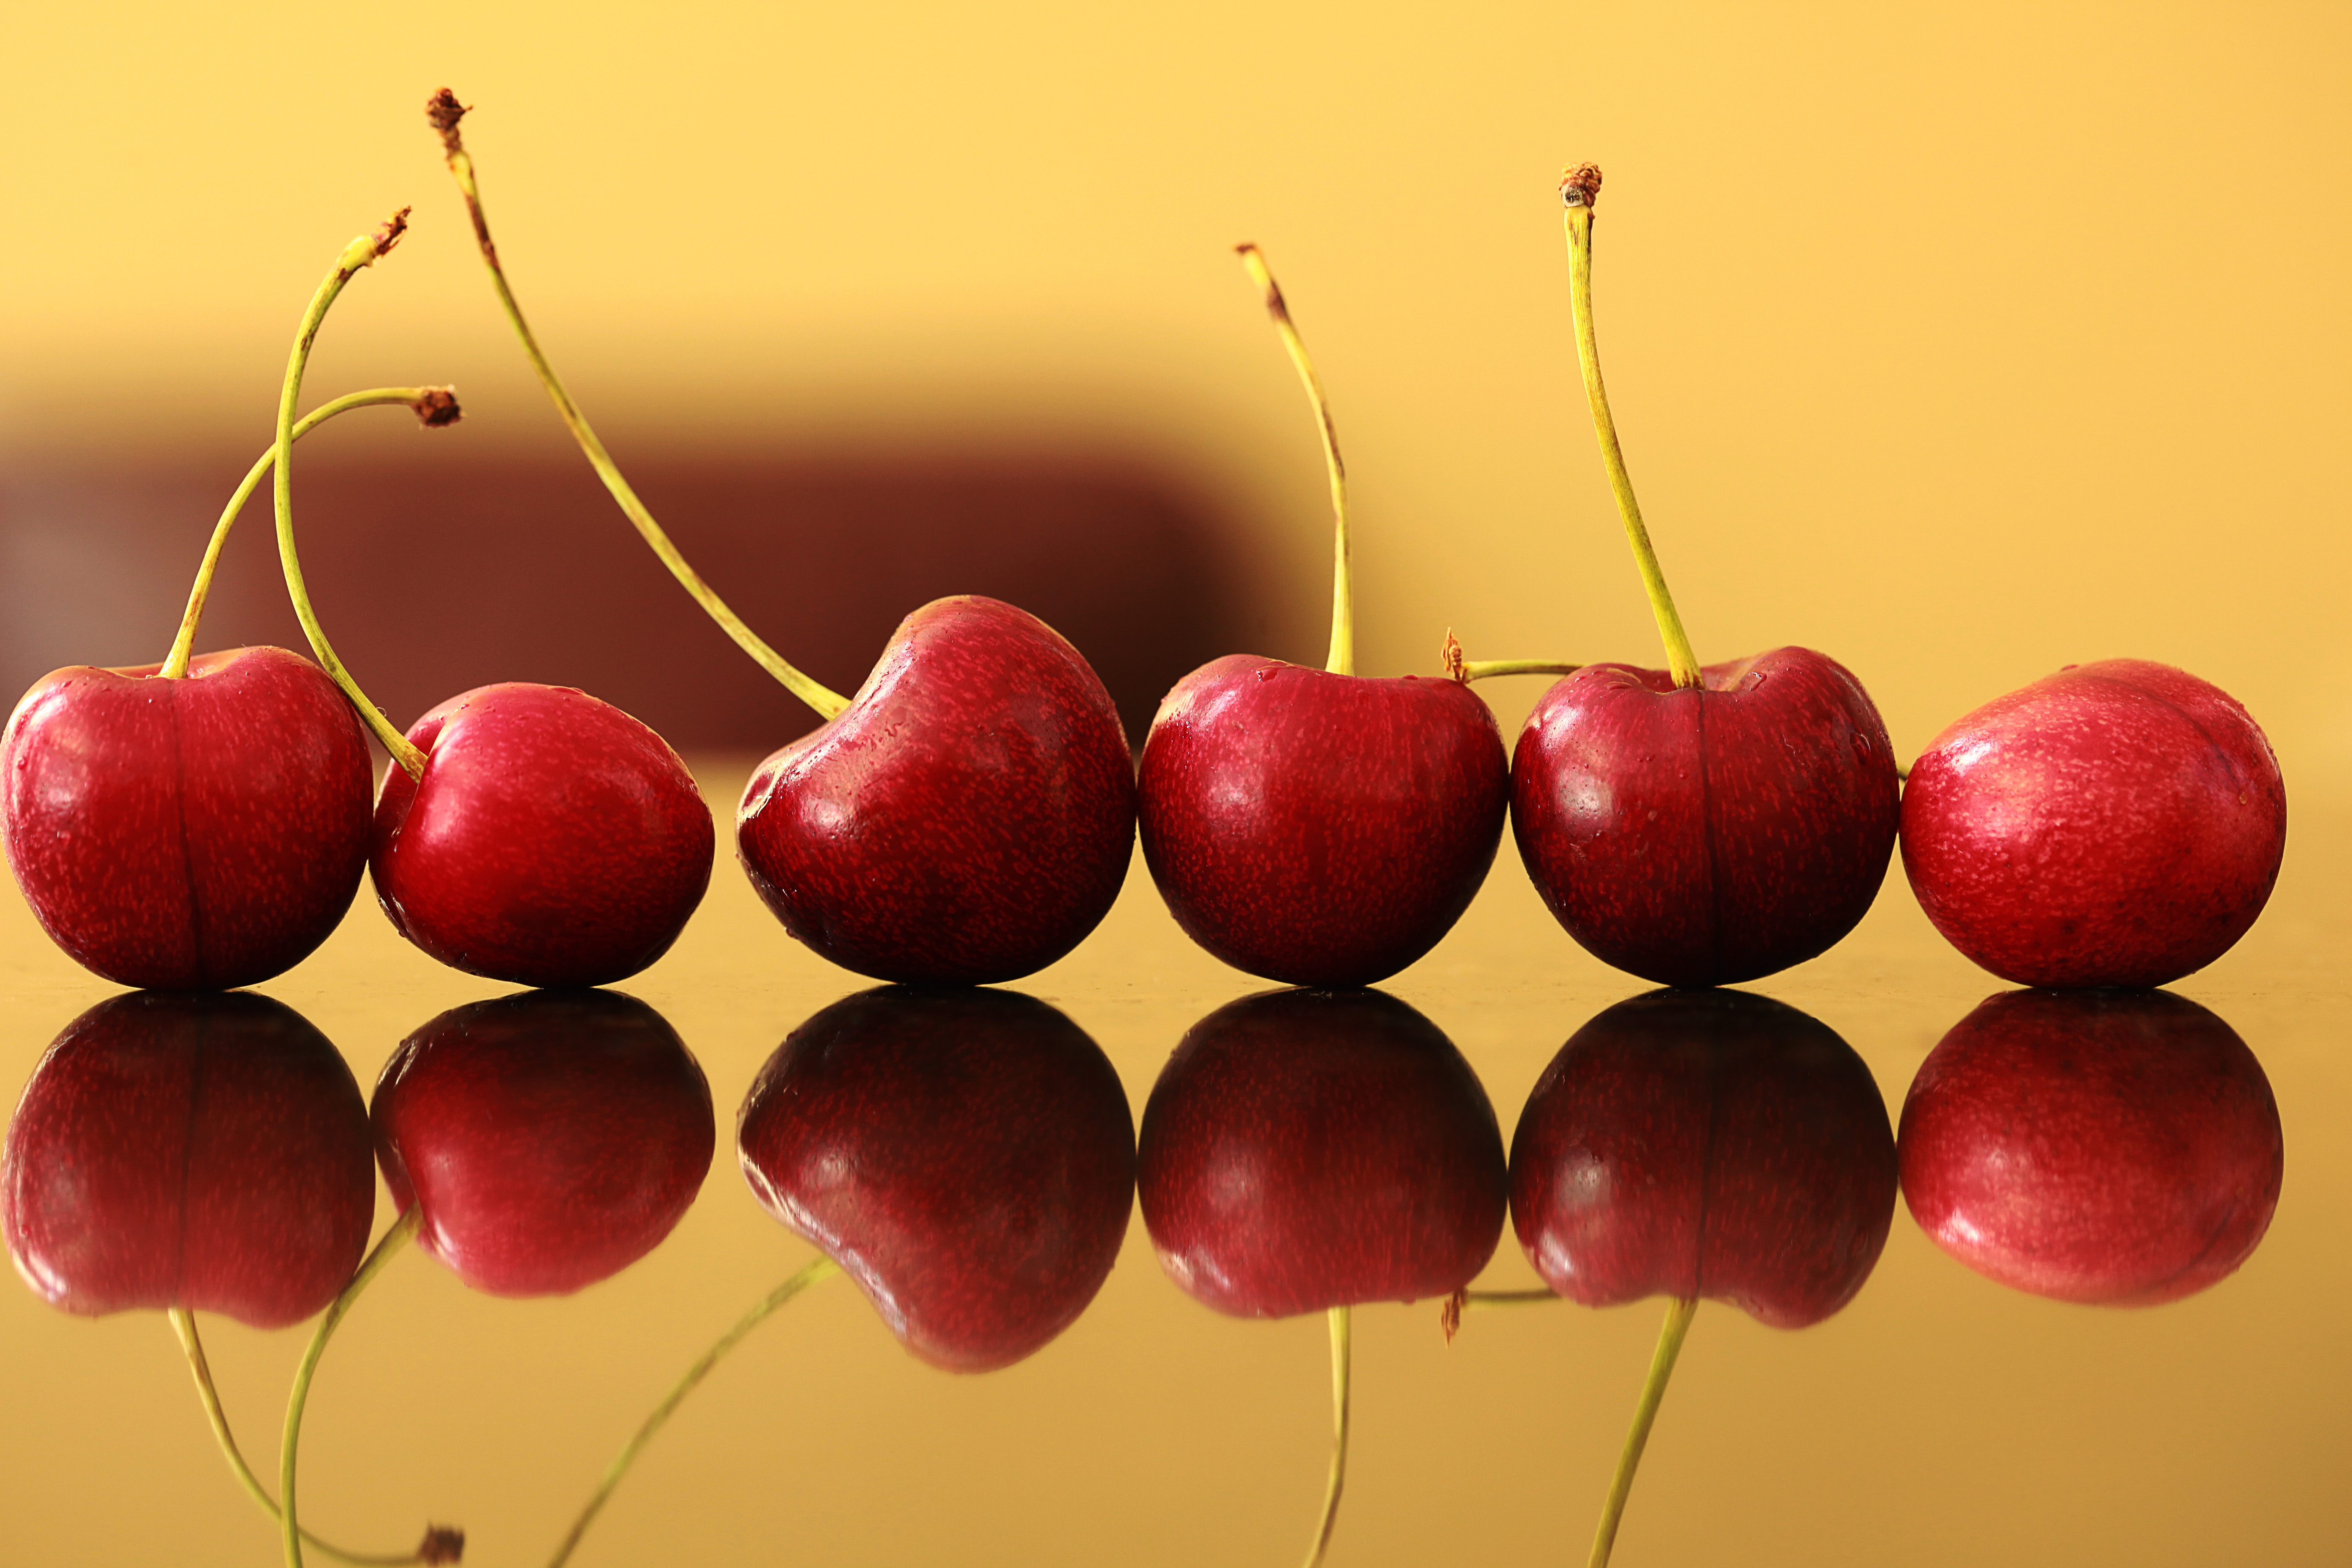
x,y
361,253
1645,1413
289,1532
821,1270
443,110
435,405
434,1548
1577,191
1466,670
1342,1334
1342,659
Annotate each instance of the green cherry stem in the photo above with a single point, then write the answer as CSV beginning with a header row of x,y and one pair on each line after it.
x,y
1449,1316
1342,1334
1577,190
1342,661
183,1323
1645,1413
435,405
1466,670
821,1270
290,1533
443,112
361,253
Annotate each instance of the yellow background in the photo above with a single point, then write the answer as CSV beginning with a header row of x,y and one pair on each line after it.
x,y
1962,343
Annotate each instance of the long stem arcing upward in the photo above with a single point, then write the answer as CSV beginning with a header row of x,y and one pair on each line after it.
x,y
1342,1334
435,405
443,112
1342,659
823,1268
1645,1413
289,1442
361,253
437,1546
1577,190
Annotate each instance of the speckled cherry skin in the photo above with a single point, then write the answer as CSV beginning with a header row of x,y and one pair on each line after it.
x,y
966,1155
551,1137
1708,835
1305,1150
2115,824
554,840
196,834
1705,1143
1315,828
191,1150
968,820
2118,1147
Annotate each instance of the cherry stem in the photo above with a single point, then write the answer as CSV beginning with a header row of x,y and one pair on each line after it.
x,y
289,1444
443,112
435,405
183,1323
361,253
1466,670
1340,1335
1342,661
1579,190
821,1270
1645,1413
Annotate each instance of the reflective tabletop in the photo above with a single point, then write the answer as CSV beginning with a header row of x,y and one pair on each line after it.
x,y
1933,1414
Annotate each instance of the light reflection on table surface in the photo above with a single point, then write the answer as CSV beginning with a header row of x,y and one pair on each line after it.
x,y
1938,1418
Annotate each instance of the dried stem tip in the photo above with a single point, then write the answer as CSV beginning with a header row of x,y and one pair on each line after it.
x,y
443,1543
1452,657
388,232
1449,1316
442,111
1580,186
438,407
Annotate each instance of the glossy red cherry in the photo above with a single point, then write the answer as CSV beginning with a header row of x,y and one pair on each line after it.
x,y
1305,1150
2115,823
1708,833
1705,1143
552,840
967,1156
1318,829
968,819
550,1139
199,833
204,1151
2118,1147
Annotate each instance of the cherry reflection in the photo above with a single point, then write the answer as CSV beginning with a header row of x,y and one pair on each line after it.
x,y
966,1155
191,1152
1701,1143
1304,1150
547,1140
2118,1147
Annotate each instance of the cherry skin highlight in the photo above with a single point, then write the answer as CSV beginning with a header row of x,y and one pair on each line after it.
x,y
193,834
552,840
552,1139
2115,823
1709,834
2107,1147
196,1151
1319,828
968,819
1305,1150
967,1156
1705,1143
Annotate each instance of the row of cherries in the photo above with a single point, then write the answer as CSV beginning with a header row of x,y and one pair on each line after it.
x,y
969,815
968,1155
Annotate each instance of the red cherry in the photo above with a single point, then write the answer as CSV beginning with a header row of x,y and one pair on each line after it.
x,y
190,834
2115,824
968,819
552,840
